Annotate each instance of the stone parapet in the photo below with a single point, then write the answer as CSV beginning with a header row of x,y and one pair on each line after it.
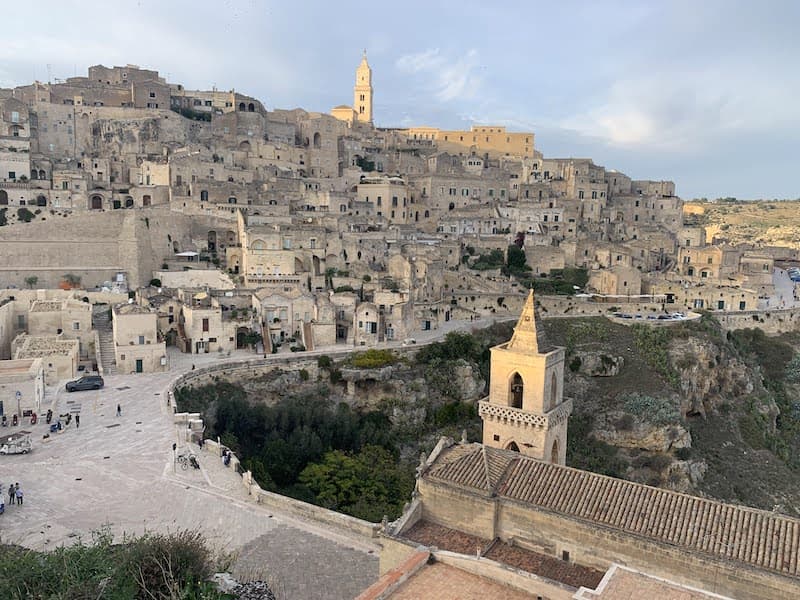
x,y
509,414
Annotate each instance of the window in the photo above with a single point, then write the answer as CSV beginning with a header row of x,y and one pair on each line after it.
x,y
12,174
710,260
14,116
205,325
152,94
64,185
76,326
580,194
141,340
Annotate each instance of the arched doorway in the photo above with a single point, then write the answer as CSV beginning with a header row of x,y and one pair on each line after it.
x,y
3,198
513,447
242,106
317,140
251,107
515,390
97,202
554,453
41,200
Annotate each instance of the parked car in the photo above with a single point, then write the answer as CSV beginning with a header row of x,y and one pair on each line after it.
x,y
16,443
88,382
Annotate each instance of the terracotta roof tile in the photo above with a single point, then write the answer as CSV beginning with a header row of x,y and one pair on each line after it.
x,y
758,538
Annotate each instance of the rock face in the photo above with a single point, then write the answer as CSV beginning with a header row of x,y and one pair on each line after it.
x,y
622,431
709,376
596,364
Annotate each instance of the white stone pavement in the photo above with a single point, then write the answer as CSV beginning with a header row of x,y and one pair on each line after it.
x,y
118,472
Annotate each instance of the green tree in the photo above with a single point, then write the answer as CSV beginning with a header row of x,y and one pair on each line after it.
x,y
31,281
72,279
367,485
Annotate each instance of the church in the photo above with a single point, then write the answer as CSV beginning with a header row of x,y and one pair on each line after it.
x,y
507,517
361,111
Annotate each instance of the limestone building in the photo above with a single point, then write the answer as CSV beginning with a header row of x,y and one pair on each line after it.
x,y
526,410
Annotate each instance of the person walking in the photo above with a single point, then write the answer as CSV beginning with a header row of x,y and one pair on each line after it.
x,y
77,421
12,493
119,410
18,493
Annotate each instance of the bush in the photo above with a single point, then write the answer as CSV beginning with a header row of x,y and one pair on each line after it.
x,y
324,362
373,359
657,411
303,375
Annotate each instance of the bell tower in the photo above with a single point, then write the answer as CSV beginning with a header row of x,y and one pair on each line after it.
x,y
526,410
362,92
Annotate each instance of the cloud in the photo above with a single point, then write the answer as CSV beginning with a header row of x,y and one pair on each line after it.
x,y
447,78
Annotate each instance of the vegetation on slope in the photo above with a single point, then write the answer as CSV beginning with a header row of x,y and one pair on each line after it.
x,y
152,566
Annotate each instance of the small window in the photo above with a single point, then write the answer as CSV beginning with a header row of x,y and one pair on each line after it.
x,y
565,556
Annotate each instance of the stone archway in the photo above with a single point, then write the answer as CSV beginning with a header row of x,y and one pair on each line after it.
x,y
3,198
96,202
41,200
512,446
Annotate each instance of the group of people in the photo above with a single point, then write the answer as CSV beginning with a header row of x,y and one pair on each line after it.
x,y
15,495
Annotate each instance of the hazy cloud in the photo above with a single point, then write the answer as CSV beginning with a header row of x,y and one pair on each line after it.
x,y
447,78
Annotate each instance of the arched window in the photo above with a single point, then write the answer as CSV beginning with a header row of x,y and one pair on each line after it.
x,y
554,453
553,390
451,206
515,391
513,446
427,214
317,140
231,200
34,174
42,174
251,107
242,106
128,202
97,202
41,201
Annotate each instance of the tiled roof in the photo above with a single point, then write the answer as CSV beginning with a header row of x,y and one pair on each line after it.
x,y
762,539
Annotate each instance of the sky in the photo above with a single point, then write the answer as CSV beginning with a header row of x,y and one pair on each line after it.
x,y
701,93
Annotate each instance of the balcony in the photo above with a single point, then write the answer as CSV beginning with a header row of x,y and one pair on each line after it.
x,y
509,414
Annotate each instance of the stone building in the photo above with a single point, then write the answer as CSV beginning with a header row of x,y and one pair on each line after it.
x,y
25,377
137,346
532,523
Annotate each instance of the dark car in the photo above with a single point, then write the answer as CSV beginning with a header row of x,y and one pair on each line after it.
x,y
89,382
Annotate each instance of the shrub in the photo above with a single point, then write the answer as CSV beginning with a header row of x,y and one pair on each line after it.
x,y
303,375
373,359
324,362
575,364
657,411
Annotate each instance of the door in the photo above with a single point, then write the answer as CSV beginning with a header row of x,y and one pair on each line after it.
x,y
139,365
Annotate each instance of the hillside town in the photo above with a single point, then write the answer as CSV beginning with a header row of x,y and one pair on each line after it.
x,y
157,238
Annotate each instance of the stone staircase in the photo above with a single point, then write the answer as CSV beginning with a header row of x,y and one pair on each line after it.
x,y
101,322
